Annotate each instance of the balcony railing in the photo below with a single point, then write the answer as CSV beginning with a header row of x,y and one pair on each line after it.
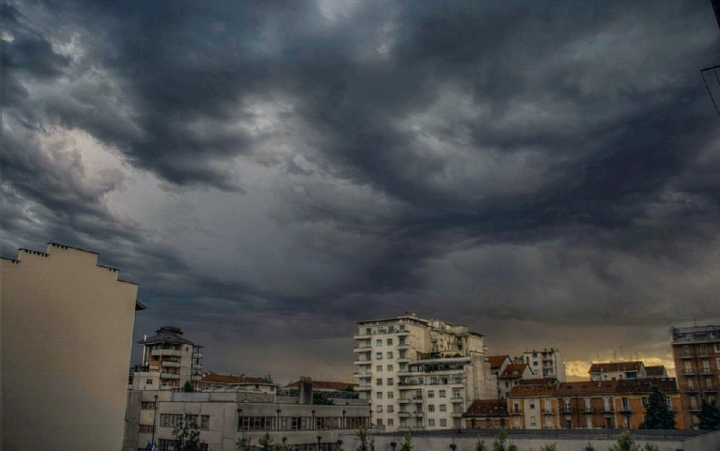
x,y
626,409
197,355
169,364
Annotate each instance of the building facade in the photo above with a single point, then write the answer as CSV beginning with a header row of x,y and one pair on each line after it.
x,y
611,404
67,326
169,360
419,373
546,364
696,351
228,417
617,370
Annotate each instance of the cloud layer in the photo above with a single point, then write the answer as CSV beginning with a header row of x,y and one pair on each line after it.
x,y
270,173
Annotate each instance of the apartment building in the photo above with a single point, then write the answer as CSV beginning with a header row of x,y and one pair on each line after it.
x,y
498,363
610,404
546,363
617,370
169,360
226,417
420,373
696,351
67,326
487,414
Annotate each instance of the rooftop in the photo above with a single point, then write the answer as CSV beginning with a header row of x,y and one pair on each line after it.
x,y
615,366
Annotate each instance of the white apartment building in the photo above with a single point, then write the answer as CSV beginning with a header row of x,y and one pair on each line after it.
x,y
419,373
169,360
546,364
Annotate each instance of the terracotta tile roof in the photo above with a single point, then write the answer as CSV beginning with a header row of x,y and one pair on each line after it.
x,y
667,385
656,371
615,366
539,381
586,388
496,361
487,408
514,371
231,379
532,390
325,385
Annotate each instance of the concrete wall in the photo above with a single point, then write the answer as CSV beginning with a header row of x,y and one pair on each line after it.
x,y
525,442
67,335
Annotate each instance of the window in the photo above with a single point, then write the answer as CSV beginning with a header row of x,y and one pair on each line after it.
x,y
390,368
390,381
391,422
703,349
378,395
390,408
146,428
378,381
644,401
706,366
379,421
403,342
431,422
378,368
169,445
442,393
431,393
149,381
443,408
718,364
532,404
253,423
431,407
148,406
378,355
533,422
717,347
378,343
389,355
686,350
390,395
204,422
378,409
443,422
389,342
688,367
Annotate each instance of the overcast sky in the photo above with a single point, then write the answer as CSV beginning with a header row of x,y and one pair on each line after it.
x,y
546,173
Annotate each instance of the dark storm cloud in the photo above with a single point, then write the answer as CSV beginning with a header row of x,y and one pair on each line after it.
x,y
522,162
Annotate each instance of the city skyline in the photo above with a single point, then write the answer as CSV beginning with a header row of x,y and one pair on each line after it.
x,y
269,174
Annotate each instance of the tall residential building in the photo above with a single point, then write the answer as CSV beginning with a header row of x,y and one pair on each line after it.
x,y
169,360
420,373
67,326
696,351
546,363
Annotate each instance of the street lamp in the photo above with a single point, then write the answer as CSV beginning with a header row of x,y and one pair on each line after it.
x,y
393,444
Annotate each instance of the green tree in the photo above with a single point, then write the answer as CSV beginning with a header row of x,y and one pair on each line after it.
x,y
406,444
649,447
188,388
243,444
266,442
480,445
709,416
321,398
499,443
657,412
187,434
625,443
367,441
549,447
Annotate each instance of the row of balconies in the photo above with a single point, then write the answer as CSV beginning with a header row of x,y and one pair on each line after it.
x,y
706,389
364,336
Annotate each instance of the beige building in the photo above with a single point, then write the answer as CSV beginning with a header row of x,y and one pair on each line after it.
x,y
610,371
419,373
226,417
67,326
169,360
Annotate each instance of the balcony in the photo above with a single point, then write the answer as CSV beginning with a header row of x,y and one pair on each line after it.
x,y
169,364
196,377
403,401
361,361
608,409
418,414
404,414
197,366
167,352
197,355
686,356
516,412
626,409
588,410
363,374
169,376
417,398
706,371
709,389
361,348
691,390
547,411
457,400
363,388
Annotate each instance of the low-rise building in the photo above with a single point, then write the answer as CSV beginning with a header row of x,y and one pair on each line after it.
x,y
609,404
497,366
511,376
227,417
610,371
487,414
656,371
169,360
546,363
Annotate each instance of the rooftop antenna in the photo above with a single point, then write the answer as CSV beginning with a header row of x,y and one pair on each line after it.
x,y
621,354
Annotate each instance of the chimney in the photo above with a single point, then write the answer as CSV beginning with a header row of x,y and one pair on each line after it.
x,y
305,390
